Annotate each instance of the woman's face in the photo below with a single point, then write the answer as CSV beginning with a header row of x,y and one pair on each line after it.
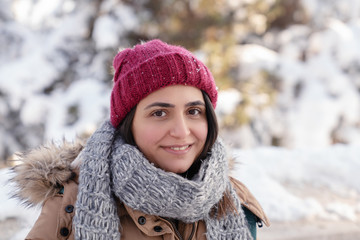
x,y
170,127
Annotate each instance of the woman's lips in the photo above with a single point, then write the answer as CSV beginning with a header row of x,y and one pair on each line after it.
x,y
178,149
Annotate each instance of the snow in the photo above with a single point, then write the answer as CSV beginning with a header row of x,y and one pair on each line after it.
x,y
10,208
228,100
90,109
343,211
109,29
104,26
317,101
318,82
275,174
316,68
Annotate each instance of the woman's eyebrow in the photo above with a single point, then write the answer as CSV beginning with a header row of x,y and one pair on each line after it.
x,y
159,104
168,105
195,103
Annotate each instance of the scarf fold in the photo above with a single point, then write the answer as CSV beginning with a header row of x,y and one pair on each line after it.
x,y
110,168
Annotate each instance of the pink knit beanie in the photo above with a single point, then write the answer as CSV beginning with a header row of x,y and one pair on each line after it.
x,y
150,66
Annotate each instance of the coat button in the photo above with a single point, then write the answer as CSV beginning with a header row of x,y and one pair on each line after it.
x,y
61,191
64,231
141,220
69,208
158,229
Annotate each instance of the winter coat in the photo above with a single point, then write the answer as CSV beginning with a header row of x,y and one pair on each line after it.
x,y
49,177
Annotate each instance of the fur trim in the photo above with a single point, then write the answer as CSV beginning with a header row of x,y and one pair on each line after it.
x,y
43,171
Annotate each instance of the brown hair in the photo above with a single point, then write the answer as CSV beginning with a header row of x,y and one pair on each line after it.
x,y
226,203
224,206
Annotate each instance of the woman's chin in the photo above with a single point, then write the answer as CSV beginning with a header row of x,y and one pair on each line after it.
x,y
177,170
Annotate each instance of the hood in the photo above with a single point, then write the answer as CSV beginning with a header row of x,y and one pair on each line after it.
x,y
44,170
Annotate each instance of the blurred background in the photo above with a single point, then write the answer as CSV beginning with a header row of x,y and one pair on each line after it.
x,y
288,73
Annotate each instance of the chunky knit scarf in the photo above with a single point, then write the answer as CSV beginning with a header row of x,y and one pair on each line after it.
x,y
112,168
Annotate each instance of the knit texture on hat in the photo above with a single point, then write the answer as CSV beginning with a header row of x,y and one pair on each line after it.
x,y
112,168
148,67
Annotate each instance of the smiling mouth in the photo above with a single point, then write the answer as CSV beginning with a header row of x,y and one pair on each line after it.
x,y
180,148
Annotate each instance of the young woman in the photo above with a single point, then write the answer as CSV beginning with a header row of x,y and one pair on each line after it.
x,y
156,170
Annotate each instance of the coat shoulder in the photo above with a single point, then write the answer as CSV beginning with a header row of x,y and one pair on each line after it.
x,y
249,201
44,170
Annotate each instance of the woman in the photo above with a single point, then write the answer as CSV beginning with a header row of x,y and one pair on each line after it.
x,y
156,170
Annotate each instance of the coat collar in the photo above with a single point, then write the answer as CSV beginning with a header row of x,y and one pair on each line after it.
x,y
249,201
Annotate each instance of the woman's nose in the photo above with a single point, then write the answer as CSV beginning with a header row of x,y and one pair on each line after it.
x,y
179,128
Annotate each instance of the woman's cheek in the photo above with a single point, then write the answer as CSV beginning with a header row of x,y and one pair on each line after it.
x,y
201,130
150,133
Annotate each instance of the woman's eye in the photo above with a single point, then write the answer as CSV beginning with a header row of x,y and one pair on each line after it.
x,y
159,113
194,111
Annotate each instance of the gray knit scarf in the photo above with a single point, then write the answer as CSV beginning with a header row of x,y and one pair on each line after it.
x,y
112,168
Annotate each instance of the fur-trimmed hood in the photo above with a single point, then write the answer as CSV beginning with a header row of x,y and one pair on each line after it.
x,y
44,170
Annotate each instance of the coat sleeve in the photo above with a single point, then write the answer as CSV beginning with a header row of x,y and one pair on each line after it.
x,y
55,219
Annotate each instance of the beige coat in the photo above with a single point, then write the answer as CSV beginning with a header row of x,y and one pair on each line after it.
x,y
48,177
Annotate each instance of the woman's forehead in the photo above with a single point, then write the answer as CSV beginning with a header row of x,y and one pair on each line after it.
x,y
174,94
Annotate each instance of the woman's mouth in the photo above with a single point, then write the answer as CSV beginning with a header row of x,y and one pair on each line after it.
x,y
178,149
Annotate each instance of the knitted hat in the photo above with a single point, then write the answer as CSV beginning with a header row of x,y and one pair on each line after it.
x,y
150,66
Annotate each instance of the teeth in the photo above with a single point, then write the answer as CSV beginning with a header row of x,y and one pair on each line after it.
x,y
179,148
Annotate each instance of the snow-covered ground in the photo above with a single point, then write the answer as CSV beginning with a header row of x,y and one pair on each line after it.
x,y
299,186
15,220
303,183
